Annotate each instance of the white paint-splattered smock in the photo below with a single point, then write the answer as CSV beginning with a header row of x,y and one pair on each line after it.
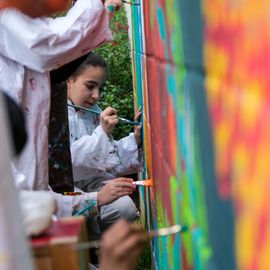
x,y
95,156
29,49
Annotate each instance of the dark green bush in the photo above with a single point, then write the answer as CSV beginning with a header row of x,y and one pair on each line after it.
x,y
118,92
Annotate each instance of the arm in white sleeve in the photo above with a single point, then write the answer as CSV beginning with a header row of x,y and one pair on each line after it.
x,y
89,154
131,158
68,205
81,203
43,44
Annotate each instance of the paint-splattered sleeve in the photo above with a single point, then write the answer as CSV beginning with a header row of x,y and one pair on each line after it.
x,y
69,205
43,44
86,204
89,154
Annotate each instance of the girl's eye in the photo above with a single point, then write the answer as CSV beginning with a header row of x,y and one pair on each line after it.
x,y
90,86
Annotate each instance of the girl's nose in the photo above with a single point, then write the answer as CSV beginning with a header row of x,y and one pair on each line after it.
x,y
95,95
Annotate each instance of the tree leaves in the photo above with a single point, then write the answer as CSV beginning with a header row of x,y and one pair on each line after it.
x,y
118,92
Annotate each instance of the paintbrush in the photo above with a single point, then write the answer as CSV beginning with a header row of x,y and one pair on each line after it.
x,y
168,231
124,120
152,233
86,208
145,183
131,3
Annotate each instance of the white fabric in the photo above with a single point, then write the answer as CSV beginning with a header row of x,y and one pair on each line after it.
x,y
95,156
14,251
29,49
123,208
37,209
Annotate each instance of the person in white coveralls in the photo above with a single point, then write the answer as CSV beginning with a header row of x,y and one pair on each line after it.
x,y
30,48
96,157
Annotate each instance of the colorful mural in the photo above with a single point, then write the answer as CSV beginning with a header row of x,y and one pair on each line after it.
x,y
237,51
168,80
200,73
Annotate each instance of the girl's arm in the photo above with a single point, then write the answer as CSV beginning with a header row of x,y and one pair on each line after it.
x,y
68,205
43,44
89,154
95,153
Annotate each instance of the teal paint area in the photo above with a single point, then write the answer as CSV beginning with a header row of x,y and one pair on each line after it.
x,y
162,23
138,34
138,58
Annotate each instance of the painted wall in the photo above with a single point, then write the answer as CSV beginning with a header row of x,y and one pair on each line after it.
x,y
237,53
201,76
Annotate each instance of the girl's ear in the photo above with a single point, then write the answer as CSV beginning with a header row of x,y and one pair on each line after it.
x,y
69,82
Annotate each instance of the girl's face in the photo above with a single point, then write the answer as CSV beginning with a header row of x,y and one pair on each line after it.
x,y
85,89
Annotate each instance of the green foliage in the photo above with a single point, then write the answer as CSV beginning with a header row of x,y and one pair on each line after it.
x,y
144,262
118,92
145,259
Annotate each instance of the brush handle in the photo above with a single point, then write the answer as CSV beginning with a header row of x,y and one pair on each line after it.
x,y
131,3
124,120
145,183
141,183
152,233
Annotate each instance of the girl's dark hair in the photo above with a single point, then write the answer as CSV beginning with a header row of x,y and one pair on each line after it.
x,y
93,60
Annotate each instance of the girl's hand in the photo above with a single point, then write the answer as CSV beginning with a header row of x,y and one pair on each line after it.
x,y
112,6
138,128
121,246
109,120
115,189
